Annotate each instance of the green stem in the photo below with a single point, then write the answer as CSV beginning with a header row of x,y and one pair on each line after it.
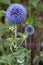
x,y
30,16
26,41
29,42
15,31
15,37
25,44
30,21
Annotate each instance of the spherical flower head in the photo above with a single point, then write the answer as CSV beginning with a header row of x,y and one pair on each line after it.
x,y
29,29
16,13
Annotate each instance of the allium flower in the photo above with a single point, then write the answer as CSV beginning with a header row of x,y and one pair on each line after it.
x,y
16,13
29,29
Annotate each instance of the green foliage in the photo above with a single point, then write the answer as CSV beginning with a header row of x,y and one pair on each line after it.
x,y
11,52
17,1
38,24
34,2
2,14
14,53
3,29
5,1
38,58
40,7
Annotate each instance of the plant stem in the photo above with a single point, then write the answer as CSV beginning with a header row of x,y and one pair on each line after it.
x,y
30,20
15,31
29,42
30,16
25,43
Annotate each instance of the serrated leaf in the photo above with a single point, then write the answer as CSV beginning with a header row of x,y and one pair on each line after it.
x,y
19,50
5,1
21,56
7,60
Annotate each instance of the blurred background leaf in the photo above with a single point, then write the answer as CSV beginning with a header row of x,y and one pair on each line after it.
x,y
34,2
40,7
38,24
5,2
2,14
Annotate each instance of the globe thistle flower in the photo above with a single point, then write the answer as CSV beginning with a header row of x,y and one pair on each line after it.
x,y
29,29
16,13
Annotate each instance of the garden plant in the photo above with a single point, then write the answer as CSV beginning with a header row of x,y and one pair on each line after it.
x,y
21,22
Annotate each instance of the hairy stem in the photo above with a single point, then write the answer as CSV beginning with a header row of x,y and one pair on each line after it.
x,y
15,31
